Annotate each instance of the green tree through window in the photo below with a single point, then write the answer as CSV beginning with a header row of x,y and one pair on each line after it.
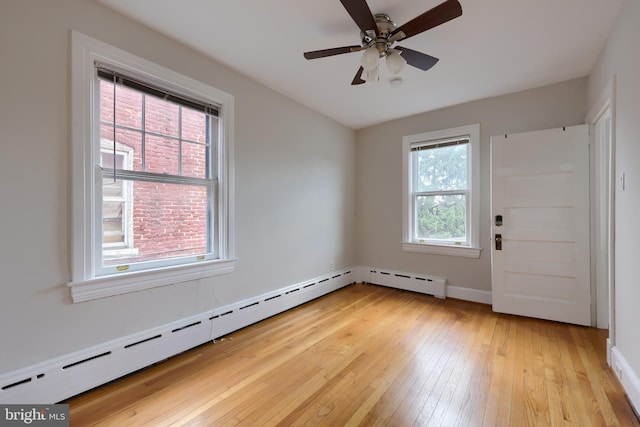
x,y
441,190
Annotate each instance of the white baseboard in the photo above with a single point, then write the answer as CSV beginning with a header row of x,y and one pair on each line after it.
x,y
427,284
627,376
64,377
469,294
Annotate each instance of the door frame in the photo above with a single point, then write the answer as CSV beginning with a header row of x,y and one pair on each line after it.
x,y
605,180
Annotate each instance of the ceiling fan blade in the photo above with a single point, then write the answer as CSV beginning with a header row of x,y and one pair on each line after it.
x,y
333,51
357,80
361,14
417,59
440,14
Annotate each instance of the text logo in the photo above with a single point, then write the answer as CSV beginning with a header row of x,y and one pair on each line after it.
x,y
34,415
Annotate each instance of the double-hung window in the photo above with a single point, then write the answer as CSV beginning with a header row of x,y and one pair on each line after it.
x,y
441,192
151,189
160,206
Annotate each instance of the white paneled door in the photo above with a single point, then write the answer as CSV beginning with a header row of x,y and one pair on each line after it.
x,y
540,224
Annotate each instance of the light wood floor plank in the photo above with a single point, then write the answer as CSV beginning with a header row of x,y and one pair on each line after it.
x,y
497,367
426,330
371,356
424,368
465,374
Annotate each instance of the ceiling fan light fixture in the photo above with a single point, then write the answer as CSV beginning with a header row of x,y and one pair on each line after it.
x,y
395,62
369,58
395,81
370,75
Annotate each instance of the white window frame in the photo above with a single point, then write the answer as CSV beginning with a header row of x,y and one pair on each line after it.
x,y
85,283
471,249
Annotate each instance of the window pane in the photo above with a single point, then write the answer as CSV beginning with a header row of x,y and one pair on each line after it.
x,y
128,141
170,138
106,102
161,116
441,217
112,222
128,105
194,126
114,212
112,190
195,143
168,220
161,155
194,160
109,161
441,169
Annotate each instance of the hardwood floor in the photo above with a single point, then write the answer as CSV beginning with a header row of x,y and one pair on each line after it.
x,y
368,356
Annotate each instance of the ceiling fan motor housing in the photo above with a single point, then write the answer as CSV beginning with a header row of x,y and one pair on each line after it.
x,y
381,40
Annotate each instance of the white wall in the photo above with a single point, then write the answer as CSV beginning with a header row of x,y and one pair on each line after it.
x,y
379,174
294,187
621,58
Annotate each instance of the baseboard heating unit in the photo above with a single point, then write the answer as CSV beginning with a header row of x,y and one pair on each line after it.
x,y
430,285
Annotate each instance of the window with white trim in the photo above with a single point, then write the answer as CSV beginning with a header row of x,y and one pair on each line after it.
x,y
441,192
152,174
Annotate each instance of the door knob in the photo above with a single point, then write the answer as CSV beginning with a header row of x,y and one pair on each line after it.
x,y
498,242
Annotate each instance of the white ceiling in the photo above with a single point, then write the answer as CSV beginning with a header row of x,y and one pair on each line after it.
x,y
495,47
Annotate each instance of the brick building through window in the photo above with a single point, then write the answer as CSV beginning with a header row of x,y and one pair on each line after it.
x,y
143,139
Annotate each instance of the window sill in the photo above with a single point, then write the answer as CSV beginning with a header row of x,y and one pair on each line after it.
x,y
107,286
461,251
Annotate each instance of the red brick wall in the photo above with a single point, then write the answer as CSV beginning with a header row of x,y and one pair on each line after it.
x,y
168,220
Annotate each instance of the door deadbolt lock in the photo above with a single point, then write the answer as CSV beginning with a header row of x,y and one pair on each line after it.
x,y
498,242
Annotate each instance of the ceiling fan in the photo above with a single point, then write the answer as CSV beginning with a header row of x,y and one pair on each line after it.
x,y
379,34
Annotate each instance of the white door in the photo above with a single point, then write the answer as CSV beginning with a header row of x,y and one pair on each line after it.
x,y
540,224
